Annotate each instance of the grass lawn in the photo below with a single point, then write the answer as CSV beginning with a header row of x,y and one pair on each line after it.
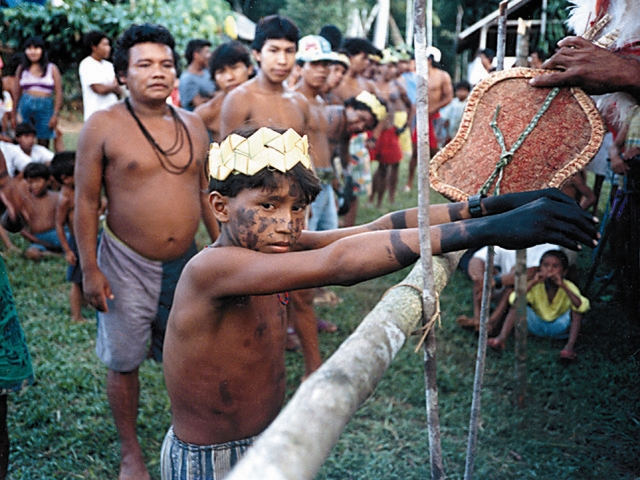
x,y
580,422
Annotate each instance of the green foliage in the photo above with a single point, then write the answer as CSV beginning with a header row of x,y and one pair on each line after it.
x,y
335,12
62,27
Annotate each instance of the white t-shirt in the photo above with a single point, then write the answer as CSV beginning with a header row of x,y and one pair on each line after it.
x,y
91,72
16,159
505,260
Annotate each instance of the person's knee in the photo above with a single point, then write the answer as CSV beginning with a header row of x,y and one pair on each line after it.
x,y
32,254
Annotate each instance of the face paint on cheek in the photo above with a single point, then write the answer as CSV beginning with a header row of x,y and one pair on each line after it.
x,y
243,226
263,223
298,225
251,241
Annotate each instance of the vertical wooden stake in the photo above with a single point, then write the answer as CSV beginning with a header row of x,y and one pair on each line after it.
x,y
486,296
520,370
429,301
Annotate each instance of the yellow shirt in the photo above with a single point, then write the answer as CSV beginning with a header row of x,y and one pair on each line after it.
x,y
538,300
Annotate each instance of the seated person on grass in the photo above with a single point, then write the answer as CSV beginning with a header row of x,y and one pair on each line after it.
x,y
40,208
555,305
25,150
224,362
504,279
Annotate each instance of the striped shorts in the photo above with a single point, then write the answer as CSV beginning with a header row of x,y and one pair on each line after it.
x,y
184,461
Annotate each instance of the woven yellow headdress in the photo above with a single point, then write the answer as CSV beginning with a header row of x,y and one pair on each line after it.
x,y
371,101
265,148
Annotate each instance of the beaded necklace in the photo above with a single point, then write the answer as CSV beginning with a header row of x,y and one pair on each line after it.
x,y
161,154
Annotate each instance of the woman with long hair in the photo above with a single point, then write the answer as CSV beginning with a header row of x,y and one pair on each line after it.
x,y
38,91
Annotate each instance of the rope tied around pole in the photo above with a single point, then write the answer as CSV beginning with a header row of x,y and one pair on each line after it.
x,y
507,155
426,328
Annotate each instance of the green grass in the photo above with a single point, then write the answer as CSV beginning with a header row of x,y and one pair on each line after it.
x,y
580,421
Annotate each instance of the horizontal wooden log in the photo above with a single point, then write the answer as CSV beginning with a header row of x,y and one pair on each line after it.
x,y
297,443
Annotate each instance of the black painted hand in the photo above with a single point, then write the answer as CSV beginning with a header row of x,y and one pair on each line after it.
x,y
510,201
545,220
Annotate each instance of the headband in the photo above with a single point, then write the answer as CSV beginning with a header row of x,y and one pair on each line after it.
x,y
371,101
265,148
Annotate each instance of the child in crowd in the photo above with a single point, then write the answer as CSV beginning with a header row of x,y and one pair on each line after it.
x,y
62,168
555,305
40,207
24,151
224,362
230,65
452,113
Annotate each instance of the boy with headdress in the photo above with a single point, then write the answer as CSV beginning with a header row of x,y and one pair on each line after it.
x,y
224,348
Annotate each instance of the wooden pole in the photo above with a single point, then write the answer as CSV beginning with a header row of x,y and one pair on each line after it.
x,y
474,419
381,31
522,43
520,369
409,16
429,301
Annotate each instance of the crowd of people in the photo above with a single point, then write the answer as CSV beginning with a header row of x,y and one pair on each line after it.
x,y
298,128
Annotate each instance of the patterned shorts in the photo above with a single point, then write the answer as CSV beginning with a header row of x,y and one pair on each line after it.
x,y
185,461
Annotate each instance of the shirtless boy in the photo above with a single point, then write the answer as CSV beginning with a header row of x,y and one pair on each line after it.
x,y
62,169
263,100
40,207
230,66
224,352
151,158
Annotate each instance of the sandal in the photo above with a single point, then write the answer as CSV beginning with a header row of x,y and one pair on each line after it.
x,y
568,355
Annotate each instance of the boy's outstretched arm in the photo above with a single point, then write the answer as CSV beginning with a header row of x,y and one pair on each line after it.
x,y
240,271
438,214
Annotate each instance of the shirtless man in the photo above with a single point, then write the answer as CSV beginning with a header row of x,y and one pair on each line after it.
x,y
230,66
337,70
225,364
263,100
151,157
440,93
358,51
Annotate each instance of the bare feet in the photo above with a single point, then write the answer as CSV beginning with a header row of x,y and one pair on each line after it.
x,y
495,344
80,320
132,467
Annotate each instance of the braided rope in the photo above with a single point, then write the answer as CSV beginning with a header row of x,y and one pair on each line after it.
x,y
507,155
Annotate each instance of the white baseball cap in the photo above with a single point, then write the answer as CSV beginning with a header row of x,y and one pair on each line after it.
x,y
314,48
435,53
